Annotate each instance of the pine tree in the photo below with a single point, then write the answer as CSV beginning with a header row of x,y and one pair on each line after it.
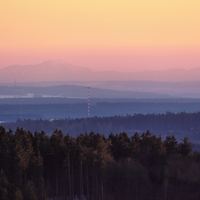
x,y
23,153
57,158
171,145
185,147
5,150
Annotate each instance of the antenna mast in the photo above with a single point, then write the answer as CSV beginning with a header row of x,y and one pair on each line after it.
x,y
20,107
88,102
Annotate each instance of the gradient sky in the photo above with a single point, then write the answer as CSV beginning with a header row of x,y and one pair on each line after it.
x,y
122,35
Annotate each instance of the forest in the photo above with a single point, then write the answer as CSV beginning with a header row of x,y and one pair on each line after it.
x,y
179,124
91,166
12,109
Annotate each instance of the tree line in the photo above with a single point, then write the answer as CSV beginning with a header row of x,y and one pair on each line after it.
x,y
94,167
168,123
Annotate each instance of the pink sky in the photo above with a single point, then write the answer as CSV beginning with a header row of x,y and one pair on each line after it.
x,y
102,35
118,60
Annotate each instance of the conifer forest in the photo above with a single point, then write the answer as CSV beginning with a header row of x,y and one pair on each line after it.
x,y
94,167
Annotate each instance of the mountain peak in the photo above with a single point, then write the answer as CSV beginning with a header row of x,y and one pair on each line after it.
x,y
55,62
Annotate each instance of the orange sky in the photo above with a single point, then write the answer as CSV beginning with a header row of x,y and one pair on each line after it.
x,y
100,34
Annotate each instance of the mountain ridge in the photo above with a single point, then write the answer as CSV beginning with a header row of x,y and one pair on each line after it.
x,y
55,70
72,91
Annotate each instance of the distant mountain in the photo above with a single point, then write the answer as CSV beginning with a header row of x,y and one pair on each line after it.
x,y
43,72
173,75
176,89
73,91
53,71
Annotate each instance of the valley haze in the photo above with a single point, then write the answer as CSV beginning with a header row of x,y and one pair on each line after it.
x,y
70,81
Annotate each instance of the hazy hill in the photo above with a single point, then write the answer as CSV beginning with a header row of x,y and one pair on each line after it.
x,y
176,89
73,91
52,71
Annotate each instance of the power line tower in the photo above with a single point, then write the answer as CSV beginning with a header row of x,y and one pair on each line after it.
x,y
88,89
20,107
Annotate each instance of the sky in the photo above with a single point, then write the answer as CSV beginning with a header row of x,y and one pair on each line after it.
x,y
121,35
